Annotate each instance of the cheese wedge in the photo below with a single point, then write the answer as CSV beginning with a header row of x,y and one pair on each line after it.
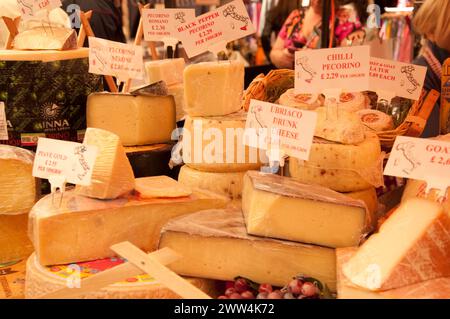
x,y
83,228
112,175
161,186
281,207
352,102
412,245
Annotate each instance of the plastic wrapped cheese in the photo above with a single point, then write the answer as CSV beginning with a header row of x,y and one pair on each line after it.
x,y
300,101
352,101
376,120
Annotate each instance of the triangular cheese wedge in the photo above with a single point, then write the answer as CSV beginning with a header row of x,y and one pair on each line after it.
x,y
112,175
413,245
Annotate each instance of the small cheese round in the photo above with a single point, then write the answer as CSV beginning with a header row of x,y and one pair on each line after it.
x,y
376,120
352,102
300,101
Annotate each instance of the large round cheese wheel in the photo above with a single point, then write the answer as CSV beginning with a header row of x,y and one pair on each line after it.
x,y
352,102
42,280
343,168
215,144
300,101
227,184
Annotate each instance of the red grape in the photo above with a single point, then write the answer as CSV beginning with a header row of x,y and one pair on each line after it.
x,y
222,297
288,295
265,288
309,289
295,286
262,295
235,295
247,295
240,285
276,294
229,292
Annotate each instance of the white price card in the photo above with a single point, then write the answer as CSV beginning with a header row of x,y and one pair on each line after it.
x,y
3,123
29,8
163,23
74,161
124,61
403,79
345,68
421,159
211,31
269,124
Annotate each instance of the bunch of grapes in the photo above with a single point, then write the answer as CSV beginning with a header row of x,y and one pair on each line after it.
x,y
298,288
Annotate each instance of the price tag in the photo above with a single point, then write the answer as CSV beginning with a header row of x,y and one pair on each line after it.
x,y
71,160
285,129
405,79
124,61
226,23
163,23
346,68
3,123
422,159
29,8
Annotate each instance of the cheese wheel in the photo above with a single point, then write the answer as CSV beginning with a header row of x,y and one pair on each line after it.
x,y
300,101
215,144
227,184
42,280
352,102
376,120
343,168
161,187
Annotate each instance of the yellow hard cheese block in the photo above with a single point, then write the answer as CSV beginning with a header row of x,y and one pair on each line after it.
x,y
137,120
432,289
215,245
412,245
213,88
83,228
281,207
112,174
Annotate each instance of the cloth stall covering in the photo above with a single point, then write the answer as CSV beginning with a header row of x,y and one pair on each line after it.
x,y
398,29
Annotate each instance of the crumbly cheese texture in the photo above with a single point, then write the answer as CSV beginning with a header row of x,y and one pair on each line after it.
x,y
17,185
431,289
161,186
215,244
167,70
41,280
215,144
300,101
14,241
112,175
343,168
375,120
177,91
412,245
137,120
213,88
280,207
338,125
226,184
83,228
45,38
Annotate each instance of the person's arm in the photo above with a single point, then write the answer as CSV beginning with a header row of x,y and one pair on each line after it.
x,y
280,56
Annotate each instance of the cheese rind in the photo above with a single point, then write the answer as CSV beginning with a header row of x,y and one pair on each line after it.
x,y
280,207
84,228
167,70
213,88
376,120
41,280
161,186
215,144
112,174
412,245
215,245
300,101
137,120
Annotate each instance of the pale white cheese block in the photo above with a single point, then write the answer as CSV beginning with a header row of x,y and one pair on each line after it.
x,y
177,91
42,280
412,245
137,120
213,88
167,70
228,184
281,207
215,144
215,245
112,174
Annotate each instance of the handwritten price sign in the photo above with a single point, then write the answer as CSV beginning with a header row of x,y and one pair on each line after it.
x,y
29,8
124,61
163,23
422,159
72,160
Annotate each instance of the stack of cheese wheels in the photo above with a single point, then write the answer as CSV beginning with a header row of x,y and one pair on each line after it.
x,y
17,196
216,158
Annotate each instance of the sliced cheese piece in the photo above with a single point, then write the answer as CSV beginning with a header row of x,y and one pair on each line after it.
x,y
137,120
343,168
215,144
375,120
432,289
300,101
14,241
213,88
226,184
215,245
112,175
84,228
417,189
161,186
412,245
352,101
42,280
177,91
167,70
17,185
12,279
339,126
369,197
281,207
45,38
